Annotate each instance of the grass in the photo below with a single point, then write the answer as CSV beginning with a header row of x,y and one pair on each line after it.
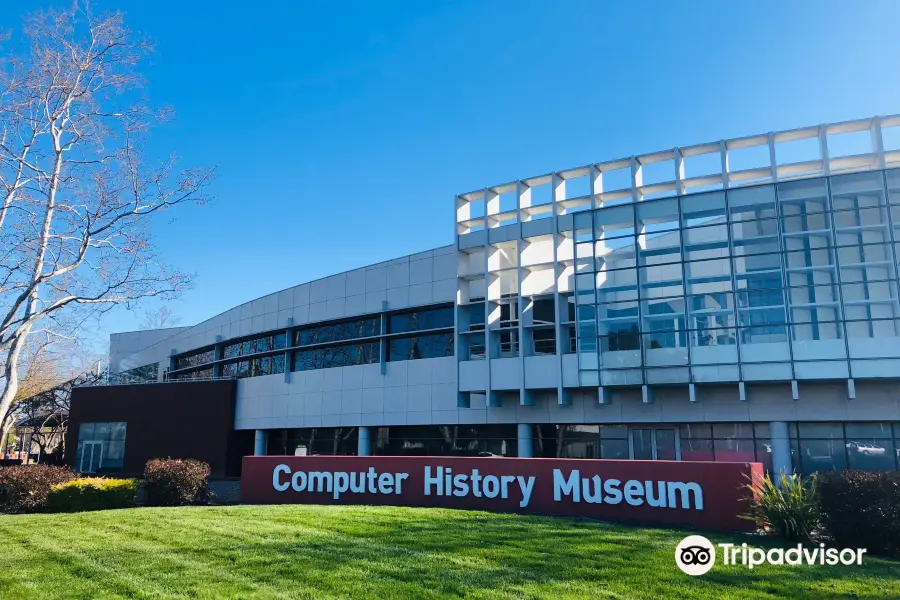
x,y
381,552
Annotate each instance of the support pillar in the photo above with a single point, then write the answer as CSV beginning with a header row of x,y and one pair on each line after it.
x,y
259,443
288,343
218,354
781,449
364,446
604,395
526,443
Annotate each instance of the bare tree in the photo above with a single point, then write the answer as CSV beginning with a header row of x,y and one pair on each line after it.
x,y
44,367
161,318
43,417
77,193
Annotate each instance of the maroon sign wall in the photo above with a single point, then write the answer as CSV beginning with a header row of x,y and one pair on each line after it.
x,y
706,495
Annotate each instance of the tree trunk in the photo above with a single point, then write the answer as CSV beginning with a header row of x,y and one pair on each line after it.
x,y
11,374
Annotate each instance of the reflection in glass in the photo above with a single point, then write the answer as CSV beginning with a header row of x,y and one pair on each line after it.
x,y
423,346
695,431
696,449
820,430
734,450
614,449
822,455
870,454
194,359
348,330
417,320
751,203
316,441
339,356
665,444
144,374
869,430
642,440
265,343
764,453
703,209
101,446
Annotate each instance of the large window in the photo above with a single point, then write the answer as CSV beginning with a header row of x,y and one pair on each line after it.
x,y
206,373
337,356
726,442
797,263
422,319
101,447
335,332
267,365
581,441
145,374
413,334
422,346
309,442
195,359
868,446
449,440
266,343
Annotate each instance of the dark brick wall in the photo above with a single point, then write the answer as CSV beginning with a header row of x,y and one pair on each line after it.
x,y
191,419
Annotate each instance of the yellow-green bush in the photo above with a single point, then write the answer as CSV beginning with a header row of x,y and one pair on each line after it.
x,y
92,493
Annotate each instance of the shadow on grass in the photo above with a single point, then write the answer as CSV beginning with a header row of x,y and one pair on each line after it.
x,y
503,551
310,551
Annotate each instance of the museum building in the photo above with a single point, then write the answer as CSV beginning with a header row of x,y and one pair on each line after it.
x,y
729,301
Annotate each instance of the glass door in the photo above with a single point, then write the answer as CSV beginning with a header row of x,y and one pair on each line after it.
x,y
91,457
664,444
660,443
642,444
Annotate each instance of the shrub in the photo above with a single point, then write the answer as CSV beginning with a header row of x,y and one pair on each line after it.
x,y
176,482
788,508
92,493
862,510
24,488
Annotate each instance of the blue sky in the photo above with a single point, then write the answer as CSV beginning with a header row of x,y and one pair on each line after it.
x,y
343,130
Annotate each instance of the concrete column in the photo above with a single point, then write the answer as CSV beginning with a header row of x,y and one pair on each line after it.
x,y
259,443
781,449
526,443
218,354
364,447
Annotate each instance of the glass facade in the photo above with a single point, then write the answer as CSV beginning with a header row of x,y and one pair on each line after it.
x,y
425,440
101,447
341,441
421,346
146,374
445,440
795,280
254,367
348,330
195,359
265,343
867,446
421,319
726,442
202,373
411,334
337,356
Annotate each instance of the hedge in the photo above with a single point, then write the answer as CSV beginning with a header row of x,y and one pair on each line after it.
x,y
92,493
177,482
861,510
25,488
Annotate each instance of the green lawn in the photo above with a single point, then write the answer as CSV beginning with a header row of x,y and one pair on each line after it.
x,y
368,552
